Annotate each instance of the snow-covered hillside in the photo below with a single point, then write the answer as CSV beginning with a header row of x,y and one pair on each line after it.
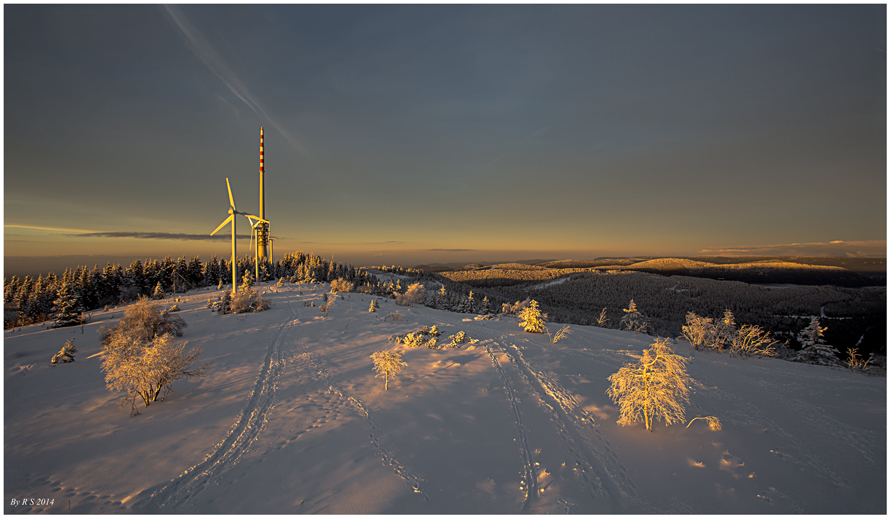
x,y
292,420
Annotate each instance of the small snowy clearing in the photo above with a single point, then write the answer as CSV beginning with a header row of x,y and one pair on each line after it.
x,y
291,419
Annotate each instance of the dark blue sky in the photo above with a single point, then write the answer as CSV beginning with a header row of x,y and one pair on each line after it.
x,y
496,132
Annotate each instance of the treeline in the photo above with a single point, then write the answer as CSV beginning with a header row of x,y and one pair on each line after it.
x,y
494,277
764,272
854,317
63,298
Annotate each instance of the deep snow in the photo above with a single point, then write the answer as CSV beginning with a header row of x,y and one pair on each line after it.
x,y
292,420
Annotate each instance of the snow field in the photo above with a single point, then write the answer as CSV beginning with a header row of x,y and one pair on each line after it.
x,y
292,420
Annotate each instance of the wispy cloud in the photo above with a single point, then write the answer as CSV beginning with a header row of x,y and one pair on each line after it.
x,y
451,250
52,229
873,248
353,243
162,235
202,48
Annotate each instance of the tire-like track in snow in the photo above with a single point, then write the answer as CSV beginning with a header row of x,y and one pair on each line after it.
x,y
597,465
529,477
242,434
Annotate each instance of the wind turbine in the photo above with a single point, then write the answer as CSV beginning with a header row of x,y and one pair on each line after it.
x,y
232,213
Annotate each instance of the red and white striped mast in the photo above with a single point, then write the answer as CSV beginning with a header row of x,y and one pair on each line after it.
x,y
263,229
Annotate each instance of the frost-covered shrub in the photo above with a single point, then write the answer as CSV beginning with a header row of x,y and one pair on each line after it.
x,y
140,358
395,316
248,300
749,340
66,354
326,303
456,340
698,330
713,422
148,370
414,295
563,332
424,336
531,319
655,387
341,286
515,309
752,341
855,362
142,322
601,320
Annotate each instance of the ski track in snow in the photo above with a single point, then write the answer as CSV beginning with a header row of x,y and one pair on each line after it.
x,y
243,433
322,377
596,464
529,478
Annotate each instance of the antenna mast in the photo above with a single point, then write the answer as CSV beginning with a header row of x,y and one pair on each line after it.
x,y
262,230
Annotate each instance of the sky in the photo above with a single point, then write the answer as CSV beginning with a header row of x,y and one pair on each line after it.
x,y
409,134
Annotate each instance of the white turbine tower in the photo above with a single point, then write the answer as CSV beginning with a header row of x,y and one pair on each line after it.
x,y
232,213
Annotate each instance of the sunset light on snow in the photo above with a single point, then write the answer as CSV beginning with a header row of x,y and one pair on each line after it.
x,y
445,259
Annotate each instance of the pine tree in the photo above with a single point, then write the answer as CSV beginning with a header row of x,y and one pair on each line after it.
x,y
158,293
815,350
656,387
485,308
633,320
66,354
68,306
531,318
388,365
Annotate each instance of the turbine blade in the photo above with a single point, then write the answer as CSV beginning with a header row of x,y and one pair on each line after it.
x,y
251,216
224,223
231,198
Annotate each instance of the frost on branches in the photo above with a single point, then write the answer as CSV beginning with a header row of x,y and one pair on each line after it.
x,y
633,320
815,350
140,358
388,365
341,285
415,295
655,387
66,354
531,318
248,300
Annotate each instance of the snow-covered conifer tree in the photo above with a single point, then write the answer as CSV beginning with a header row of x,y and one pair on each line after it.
x,y
531,318
815,350
66,354
655,387
68,307
633,320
